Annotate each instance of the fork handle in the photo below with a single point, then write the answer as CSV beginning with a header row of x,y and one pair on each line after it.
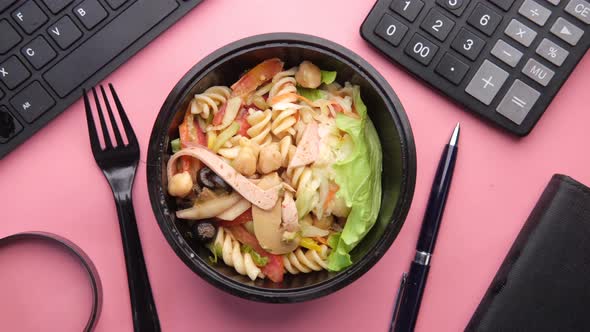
x,y
145,315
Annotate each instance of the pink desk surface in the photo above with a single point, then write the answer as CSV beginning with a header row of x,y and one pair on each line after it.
x,y
51,183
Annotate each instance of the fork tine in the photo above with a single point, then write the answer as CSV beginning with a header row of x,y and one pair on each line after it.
x,y
105,132
112,117
94,142
126,124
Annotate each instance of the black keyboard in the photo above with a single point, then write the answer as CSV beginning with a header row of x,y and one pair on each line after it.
x,y
50,48
504,60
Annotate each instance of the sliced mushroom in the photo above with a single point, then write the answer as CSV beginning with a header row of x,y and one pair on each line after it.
x,y
267,223
308,148
263,198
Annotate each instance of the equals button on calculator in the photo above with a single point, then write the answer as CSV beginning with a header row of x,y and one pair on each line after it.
x,y
504,60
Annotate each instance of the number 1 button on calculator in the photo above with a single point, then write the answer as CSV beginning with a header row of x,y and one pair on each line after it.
x,y
504,60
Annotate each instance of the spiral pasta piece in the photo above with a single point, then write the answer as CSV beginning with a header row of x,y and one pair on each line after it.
x,y
233,256
208,102
287,150
261,125
299,262
283,122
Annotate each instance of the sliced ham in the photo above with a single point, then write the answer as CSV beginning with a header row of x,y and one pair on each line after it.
x,y
308,148
263,198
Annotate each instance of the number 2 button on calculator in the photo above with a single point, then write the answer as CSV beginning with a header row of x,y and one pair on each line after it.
x,y
504,60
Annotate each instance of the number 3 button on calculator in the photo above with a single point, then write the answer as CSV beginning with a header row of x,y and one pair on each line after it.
x,y
504,60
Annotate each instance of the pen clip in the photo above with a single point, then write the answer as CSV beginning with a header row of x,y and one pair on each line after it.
x,y
398,298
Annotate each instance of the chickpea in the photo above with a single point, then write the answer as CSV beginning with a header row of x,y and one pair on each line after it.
x,y
180,184
245,162
308,75
270,158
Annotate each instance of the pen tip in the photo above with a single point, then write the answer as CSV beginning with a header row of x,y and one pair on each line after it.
x,y
455,137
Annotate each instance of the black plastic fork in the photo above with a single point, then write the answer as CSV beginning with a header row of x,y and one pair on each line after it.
x,y
118,163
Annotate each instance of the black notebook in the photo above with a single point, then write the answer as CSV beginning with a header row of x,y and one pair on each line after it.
x,y
544,282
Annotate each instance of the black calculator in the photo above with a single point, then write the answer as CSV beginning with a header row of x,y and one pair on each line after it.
x,y
504,60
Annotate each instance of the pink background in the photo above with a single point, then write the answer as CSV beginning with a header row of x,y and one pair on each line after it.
x,y
497,181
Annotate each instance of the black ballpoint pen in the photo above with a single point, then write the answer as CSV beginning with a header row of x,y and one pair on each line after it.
x,y
412,284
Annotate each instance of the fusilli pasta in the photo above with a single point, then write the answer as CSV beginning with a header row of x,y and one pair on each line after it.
x,y
208,102
261,125
299,262
233,256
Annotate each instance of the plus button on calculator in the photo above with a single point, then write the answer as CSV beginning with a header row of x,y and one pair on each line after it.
x,y
503,60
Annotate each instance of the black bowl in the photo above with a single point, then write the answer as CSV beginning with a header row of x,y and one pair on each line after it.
x,y
224,67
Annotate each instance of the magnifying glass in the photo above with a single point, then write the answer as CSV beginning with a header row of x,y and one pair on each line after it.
x,y
47,283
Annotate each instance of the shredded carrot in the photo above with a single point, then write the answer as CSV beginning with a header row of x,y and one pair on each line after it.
x,y
331,194
321,240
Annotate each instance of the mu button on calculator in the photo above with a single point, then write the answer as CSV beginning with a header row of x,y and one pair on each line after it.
x,y
503,60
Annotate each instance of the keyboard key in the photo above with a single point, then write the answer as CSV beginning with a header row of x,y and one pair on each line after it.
x,y
391,30
421,49
518,101
520,32
32,102
90,13
508,54
408,9
487,82
437,24
38,52
29,16
13,72
552,52
484,19
503,4
568,32
116,3
64,32
92,55
554,2
8,38
468,44
538,72
9,126
454,6
5,4
451,68
534,12
579,9
57,5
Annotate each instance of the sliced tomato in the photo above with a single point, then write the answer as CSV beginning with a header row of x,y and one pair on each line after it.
x,y
218,118
254,78
241,219
242,120
274,269
190,133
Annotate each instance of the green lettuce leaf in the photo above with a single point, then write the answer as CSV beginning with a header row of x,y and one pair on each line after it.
x,y
216,251
328,77
175,144
311,94
359,178
258,260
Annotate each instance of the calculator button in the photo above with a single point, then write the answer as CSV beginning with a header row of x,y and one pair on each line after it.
x,y
487,82
454,6
568,32
580,9
9,126
29,16
552,52
437,24
64,32
484,19
534,12
503,4
518,101
468,44
391,30
554,2
38,52
408,9
421,49
32,102
13,72
1,94
538,72
508,54
57,5
8,38
90,13
520,32
451,68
